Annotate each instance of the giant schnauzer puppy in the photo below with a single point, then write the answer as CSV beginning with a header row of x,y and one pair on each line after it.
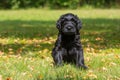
x,y
68,47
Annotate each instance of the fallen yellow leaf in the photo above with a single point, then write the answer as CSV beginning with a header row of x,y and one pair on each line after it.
x,y
1,53
104,69
90,75
112,64
0,77
40,77
8,78
45,50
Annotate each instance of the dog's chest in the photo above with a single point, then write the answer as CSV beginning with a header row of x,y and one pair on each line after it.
x,y
68,45
68,41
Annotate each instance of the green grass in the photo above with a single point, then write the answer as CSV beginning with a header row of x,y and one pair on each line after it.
x,y
28,36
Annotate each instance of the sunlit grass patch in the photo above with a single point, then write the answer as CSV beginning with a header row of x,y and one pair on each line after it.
x,y
101,66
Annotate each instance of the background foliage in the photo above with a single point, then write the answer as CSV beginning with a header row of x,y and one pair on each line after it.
x,y
57,4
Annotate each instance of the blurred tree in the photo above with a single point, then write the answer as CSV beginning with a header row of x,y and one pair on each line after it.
x,y
56,4
5,4
64,4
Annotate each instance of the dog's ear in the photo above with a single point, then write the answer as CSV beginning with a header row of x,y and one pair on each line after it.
x,y
79,23
58,24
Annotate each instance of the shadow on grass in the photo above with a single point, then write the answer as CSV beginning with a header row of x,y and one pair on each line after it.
x,y
96,33
27,29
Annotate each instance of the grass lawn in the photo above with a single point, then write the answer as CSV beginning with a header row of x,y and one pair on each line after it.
x,y
28,36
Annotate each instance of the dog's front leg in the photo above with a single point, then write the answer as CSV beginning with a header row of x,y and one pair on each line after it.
x,y
57,56
57,52
80,59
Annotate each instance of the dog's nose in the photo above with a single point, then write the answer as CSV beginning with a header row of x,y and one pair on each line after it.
x,y
69,27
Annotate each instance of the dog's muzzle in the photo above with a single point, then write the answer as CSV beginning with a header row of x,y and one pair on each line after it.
x,y
69,28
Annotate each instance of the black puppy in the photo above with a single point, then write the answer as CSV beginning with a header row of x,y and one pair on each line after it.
x,y
68,47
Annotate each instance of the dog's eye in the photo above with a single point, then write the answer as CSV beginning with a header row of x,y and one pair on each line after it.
x,y
62,19
72,19
65,19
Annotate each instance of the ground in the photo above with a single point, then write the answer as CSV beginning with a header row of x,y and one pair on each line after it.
x,y
28,36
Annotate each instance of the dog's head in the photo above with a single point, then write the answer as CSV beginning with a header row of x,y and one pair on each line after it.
x,y
69,24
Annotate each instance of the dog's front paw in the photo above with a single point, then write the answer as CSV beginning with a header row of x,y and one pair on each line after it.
x,y
82,66
85,67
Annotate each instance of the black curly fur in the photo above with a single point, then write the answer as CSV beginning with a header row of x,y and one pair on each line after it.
x,y
68,47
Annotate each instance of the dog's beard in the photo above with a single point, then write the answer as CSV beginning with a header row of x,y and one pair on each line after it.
x,y
69,33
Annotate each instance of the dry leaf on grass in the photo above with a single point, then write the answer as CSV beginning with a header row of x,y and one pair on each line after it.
x,y
9,78
104,69
112,64
1,53
90,75
0,77
40,77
